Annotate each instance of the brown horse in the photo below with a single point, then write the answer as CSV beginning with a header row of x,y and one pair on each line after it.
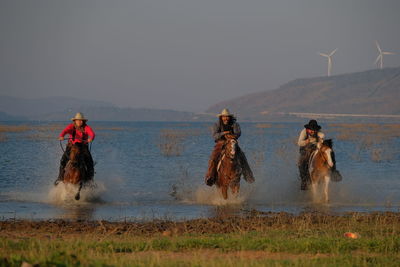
x,y
320,168
75,171
229,169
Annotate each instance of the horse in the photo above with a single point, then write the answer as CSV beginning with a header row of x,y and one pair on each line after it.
x,y
75,170
229,169
320,168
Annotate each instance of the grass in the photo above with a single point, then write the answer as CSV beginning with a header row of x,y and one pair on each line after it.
x,y
42,132
171,141
375,139
255,240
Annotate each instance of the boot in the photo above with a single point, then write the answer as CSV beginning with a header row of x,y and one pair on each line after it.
x,y
247,172
211,176
60,177
304,179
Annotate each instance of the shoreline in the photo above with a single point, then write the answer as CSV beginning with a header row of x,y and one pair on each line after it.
x,y
254,221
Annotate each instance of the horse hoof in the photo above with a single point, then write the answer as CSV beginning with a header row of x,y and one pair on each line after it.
x,y
77,197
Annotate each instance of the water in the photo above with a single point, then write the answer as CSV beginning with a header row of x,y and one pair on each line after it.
x,y
147,170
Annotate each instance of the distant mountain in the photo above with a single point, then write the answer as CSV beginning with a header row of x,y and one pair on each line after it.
x,y
63,108
125,114
7,117
36,107
370,92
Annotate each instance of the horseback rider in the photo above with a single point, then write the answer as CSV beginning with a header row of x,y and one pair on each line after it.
x,y
309,137
80,133
226,127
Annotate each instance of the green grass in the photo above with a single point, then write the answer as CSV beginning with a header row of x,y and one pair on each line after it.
x,y
299,247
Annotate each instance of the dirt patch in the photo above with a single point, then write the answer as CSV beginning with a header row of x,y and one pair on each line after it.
x,y
255,221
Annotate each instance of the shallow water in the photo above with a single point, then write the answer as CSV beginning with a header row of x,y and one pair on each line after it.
x,y
147,170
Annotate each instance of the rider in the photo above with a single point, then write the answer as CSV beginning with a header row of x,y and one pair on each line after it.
x,y
79,132
309,137
226,127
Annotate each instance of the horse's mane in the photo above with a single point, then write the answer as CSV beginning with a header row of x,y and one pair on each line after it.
x,y
328,143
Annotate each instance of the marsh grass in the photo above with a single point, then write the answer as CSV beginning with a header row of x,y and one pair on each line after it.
x,y
374,139
43,132
263,125
171,141
255,240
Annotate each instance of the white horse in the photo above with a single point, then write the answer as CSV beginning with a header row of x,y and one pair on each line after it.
x,y
320,169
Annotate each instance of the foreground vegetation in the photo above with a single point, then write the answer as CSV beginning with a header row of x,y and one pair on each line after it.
x,y
255,240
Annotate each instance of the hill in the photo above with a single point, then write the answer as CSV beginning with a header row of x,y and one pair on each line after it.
x,y
62,108
108,113
373,92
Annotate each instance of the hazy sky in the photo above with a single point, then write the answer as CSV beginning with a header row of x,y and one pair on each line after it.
x,y
185,54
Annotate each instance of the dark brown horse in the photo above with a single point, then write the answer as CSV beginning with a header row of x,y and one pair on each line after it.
x,y
75,171
229,170
321,167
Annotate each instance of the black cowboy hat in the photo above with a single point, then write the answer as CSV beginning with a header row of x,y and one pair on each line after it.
x,y
313,125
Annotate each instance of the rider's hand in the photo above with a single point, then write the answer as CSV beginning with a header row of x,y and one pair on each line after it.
x,y
61,138
226,132
230,136
89,140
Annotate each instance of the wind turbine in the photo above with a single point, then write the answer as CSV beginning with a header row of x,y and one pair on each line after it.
x,y
329,60
380,56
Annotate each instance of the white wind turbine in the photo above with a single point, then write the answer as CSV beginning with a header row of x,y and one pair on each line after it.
x,y
380,56
329,60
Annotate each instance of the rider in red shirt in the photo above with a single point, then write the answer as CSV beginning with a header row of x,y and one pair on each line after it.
x,y
79,132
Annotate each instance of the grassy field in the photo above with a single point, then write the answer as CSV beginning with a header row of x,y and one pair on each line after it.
x,y
255,240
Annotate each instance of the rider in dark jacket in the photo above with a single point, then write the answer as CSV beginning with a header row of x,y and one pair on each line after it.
x,y
226,127
309,137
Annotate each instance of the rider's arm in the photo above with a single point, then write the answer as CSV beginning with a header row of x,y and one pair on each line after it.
x,y
90,132
236,130
303,141
216,132
68,130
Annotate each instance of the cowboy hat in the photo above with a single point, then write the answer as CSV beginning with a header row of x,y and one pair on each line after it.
x,y
225,112
312,125
79,116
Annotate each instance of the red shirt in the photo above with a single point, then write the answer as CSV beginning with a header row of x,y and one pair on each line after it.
x,y
80,137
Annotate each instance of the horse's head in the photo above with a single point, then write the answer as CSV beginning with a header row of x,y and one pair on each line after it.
x,y
326,149
230,148
75,152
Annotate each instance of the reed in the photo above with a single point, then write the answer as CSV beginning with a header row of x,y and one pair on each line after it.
x,y
374,139
171,141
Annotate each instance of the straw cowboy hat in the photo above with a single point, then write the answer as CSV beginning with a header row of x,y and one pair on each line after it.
x,y
79,116
225,112
312,125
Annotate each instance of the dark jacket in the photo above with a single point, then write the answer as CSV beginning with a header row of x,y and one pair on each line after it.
x,y
217,131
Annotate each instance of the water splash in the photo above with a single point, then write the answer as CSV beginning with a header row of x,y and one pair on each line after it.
x,y
65,194
212,196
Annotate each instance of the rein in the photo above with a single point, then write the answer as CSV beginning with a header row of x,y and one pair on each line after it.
x,y
62,148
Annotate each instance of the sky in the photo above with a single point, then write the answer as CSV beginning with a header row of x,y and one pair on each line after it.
x,y
185,54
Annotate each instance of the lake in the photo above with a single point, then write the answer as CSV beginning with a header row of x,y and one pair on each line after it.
x,y
147,170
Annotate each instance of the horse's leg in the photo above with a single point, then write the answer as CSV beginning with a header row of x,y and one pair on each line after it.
x,y
224,191
235,188
314,186
326,188
78,196
314,190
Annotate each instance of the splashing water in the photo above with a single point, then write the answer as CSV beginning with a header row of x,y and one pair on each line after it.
x,y
213,196
65,193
